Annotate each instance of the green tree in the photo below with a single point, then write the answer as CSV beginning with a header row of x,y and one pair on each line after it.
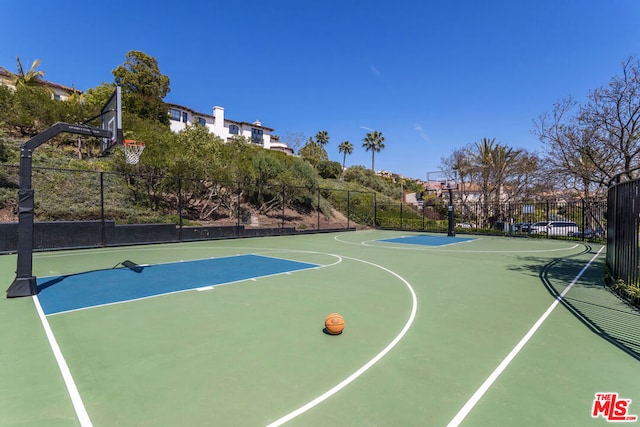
x,y
328,169
492,167
374,142
345,147
313,153
32,111
32,77
143,86
95,98
322,138
29,109
195,153
489,164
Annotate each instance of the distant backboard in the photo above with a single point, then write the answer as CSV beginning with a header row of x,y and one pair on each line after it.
x,y
111,119
442,180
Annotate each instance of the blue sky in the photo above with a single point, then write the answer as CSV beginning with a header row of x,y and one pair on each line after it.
x,y
432,76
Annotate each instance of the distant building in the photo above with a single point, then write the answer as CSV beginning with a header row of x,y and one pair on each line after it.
x,y
182,116
58,91
384,174
224,128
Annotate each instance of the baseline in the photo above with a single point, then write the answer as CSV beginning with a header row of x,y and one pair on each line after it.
x,y
74,394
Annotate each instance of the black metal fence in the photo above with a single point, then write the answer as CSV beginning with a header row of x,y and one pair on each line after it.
x,y
190,205
579,219
622,230
110,204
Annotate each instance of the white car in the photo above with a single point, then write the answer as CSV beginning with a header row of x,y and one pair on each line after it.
x,y
538,227
555,228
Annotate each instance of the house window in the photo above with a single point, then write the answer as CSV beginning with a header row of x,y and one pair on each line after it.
x,y
174,114
201,121
233,129
184,117
256,136
57,97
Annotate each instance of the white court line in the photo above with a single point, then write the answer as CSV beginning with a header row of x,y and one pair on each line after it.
x,y
364,368
76,400
460,416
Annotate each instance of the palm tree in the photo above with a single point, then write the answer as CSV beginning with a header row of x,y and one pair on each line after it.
x,y
347,148
322,138
374,142
30,78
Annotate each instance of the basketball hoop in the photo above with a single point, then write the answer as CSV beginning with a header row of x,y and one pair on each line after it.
x,y
132,150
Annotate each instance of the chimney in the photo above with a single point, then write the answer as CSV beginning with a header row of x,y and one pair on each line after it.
x,y
218,122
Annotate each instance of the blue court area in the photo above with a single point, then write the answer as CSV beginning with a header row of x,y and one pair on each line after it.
x,y
72,292
426,240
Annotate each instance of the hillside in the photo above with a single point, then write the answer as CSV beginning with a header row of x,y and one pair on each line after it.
x,y
292,193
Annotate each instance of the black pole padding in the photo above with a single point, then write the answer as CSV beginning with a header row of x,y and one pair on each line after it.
x,y
22,287
451,232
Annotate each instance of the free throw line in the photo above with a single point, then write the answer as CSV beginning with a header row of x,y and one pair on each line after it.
x,y
461,415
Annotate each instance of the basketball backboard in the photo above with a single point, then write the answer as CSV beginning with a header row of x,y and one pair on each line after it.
x,y
442,180
111,119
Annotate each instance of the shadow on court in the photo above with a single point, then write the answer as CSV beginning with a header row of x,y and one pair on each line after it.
x,y
590,300
46,283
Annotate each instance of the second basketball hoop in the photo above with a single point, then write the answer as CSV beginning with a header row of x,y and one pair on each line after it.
x,y
132,150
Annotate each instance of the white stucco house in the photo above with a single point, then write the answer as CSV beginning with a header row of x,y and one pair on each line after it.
x,y
182,116
217,124
58,91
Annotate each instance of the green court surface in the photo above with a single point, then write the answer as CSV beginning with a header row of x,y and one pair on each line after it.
x,y
471,333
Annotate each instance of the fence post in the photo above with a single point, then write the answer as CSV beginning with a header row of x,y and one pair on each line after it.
x,y
401,215
238,204
584,218
283,196
180,209
102,229
348,207
318,194
375,211
546,214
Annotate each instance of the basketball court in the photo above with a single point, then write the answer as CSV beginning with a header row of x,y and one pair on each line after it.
x,y
439,330
478,331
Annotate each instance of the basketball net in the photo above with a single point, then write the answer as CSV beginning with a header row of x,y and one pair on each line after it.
x,y
132,150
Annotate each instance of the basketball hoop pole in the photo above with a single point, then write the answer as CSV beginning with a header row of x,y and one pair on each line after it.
x,y
25,283
451,230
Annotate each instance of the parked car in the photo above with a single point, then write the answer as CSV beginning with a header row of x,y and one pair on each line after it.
x,y
555,228
521,227
591,233
465,225
538,227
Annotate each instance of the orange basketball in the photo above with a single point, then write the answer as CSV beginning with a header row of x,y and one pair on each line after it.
x,y
334,324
